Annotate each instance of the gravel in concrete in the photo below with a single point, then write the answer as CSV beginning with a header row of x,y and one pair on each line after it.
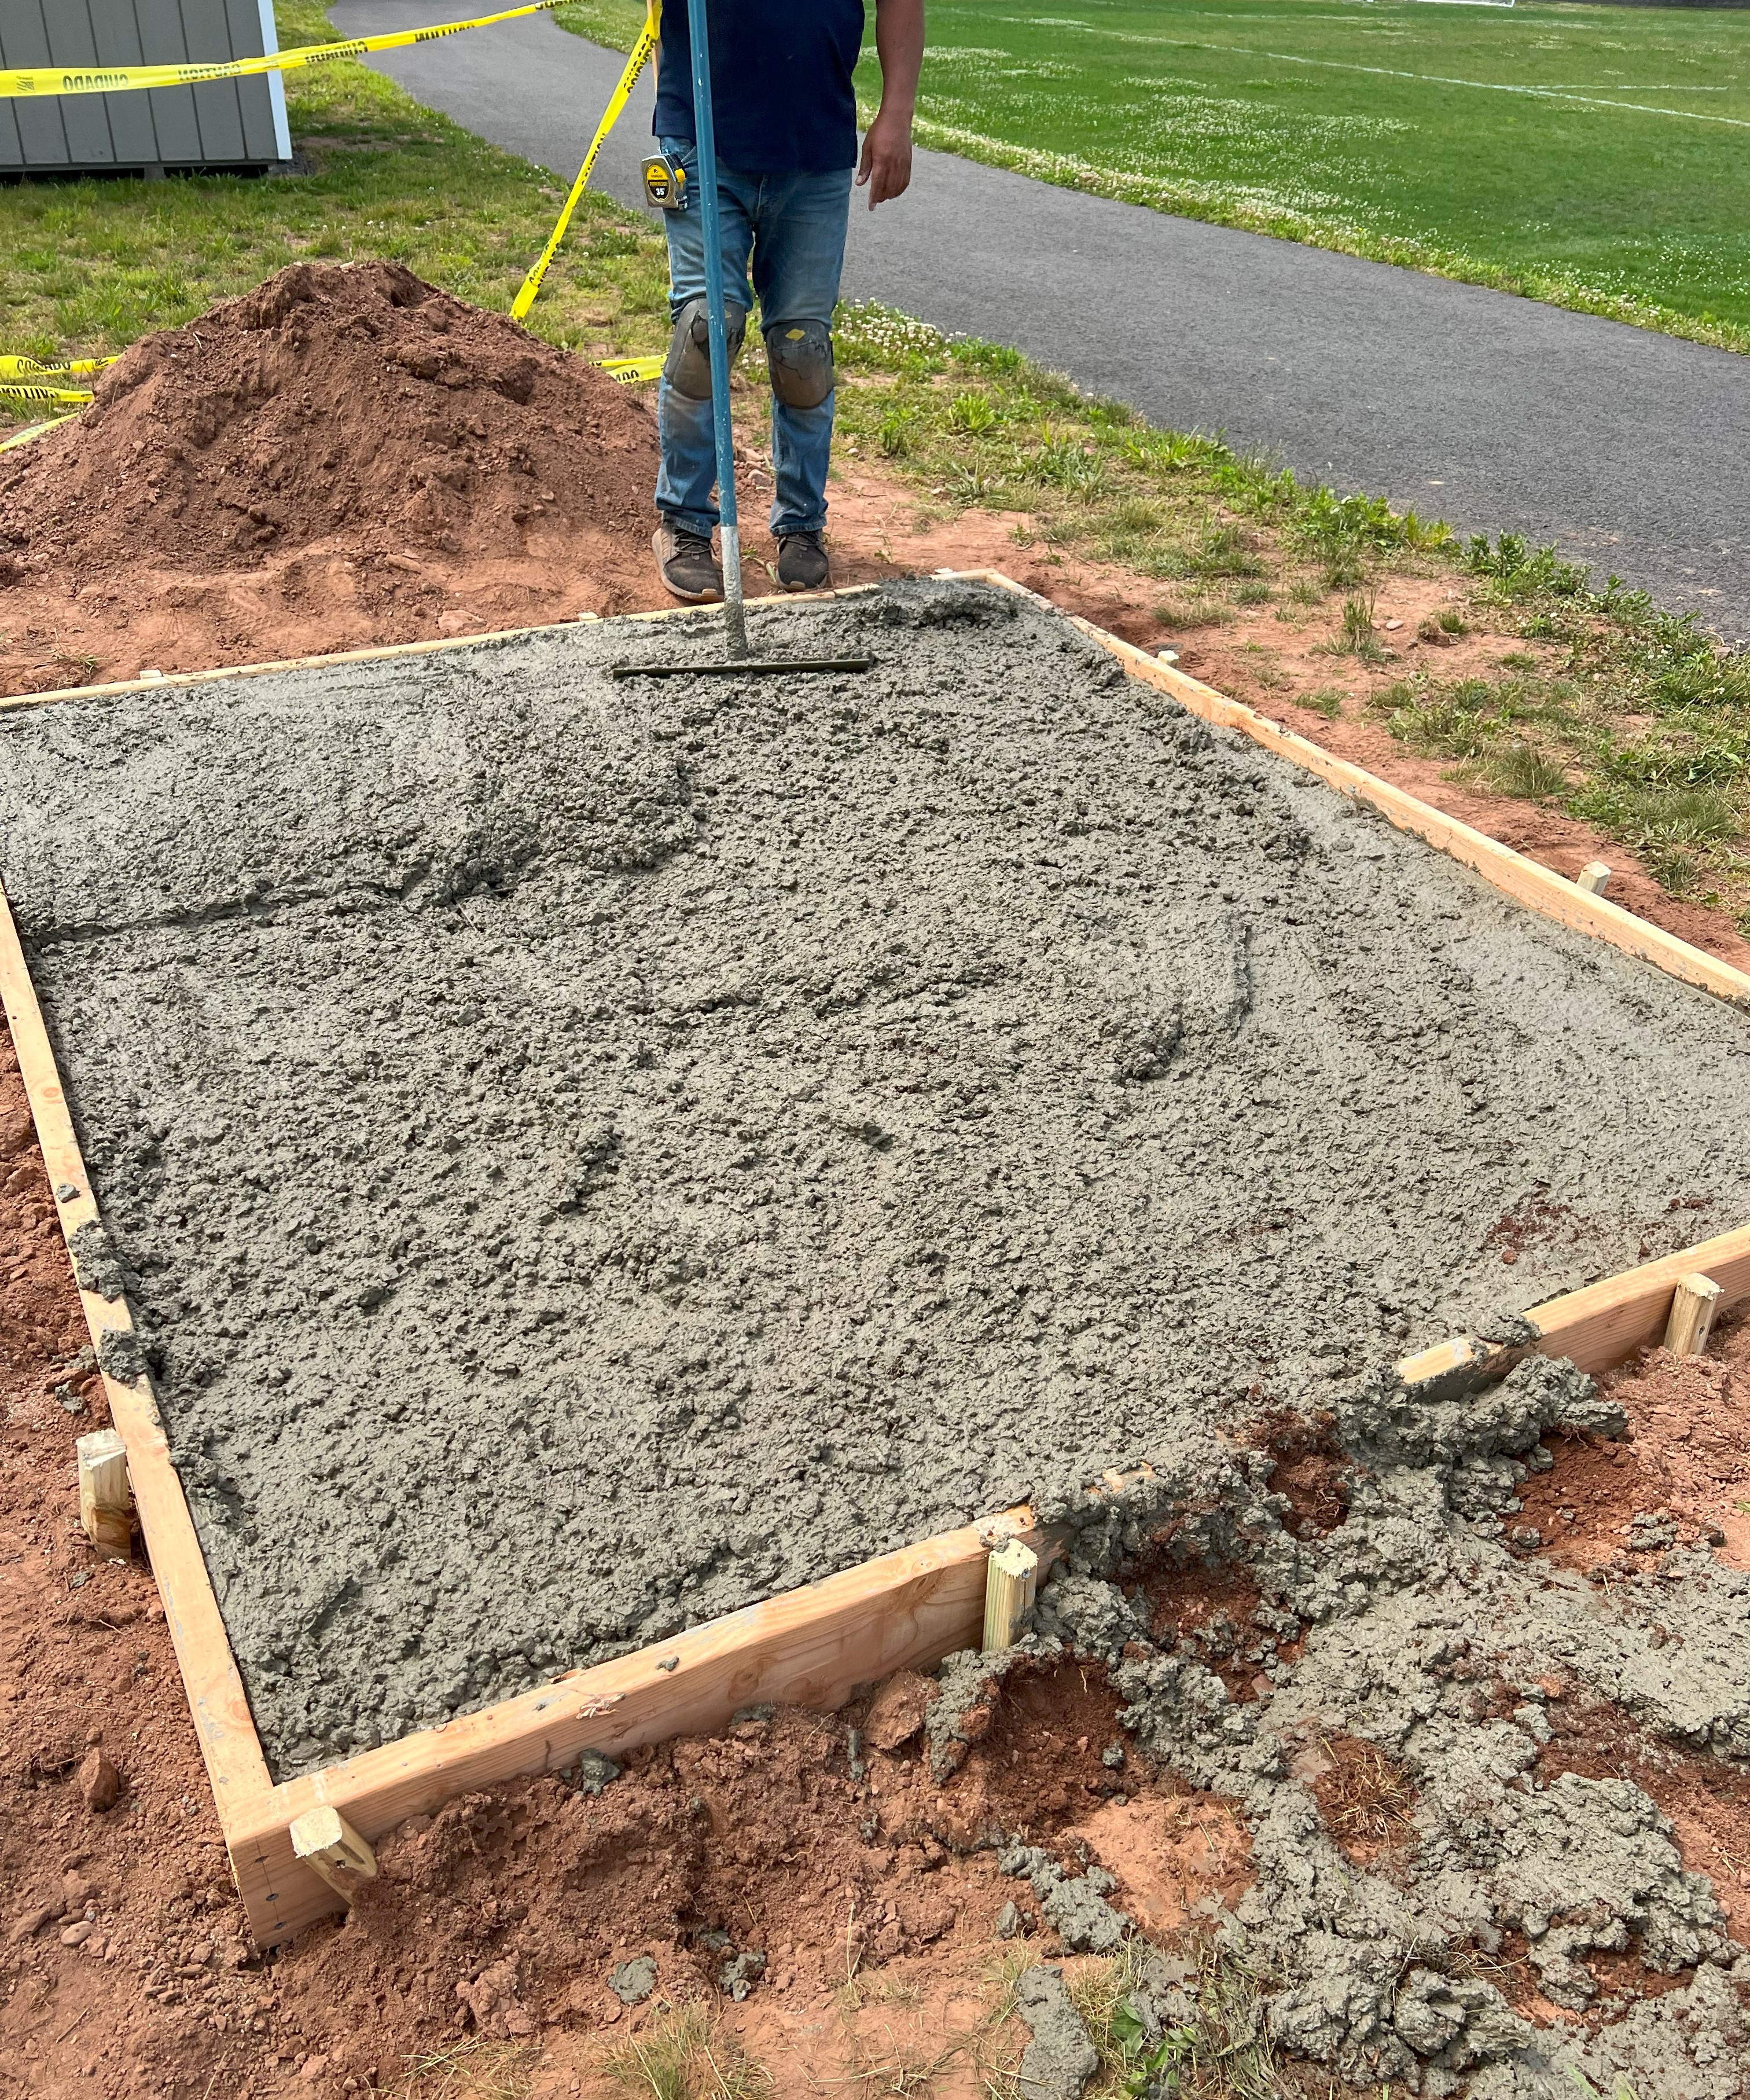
x,y
587,1156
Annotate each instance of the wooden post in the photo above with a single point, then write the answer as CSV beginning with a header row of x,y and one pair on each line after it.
x,y
106,1501
1593,878
1692,1310
1012,1576
327,1842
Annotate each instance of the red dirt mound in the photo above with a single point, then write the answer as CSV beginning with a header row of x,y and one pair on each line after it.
x,y
335,397
345,457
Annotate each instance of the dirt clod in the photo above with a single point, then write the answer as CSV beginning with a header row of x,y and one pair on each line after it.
x,y
99,1783
897,1712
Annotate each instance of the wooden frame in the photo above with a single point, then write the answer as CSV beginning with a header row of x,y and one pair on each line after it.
x,y
812,1647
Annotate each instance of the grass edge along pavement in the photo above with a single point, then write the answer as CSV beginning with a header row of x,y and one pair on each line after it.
x,y
1603,706
1243,206
1630,718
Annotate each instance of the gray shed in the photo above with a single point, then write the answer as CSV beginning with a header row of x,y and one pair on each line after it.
x,y
228,124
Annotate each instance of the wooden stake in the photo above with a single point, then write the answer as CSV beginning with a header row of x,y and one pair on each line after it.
x,y
106,1503
1594,878
327,1843
1012,1576
1696,1301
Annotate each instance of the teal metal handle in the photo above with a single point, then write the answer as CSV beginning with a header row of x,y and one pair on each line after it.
x,y
705,137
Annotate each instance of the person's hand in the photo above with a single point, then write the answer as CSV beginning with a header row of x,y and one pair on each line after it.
x,y
885,168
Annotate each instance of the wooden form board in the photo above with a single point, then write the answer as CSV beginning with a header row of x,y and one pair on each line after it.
x,y
222,1721
814,1647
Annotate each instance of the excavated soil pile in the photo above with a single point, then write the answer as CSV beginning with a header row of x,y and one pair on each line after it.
x,y
341,415
586,1156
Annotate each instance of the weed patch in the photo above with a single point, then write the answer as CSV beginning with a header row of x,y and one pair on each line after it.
x,y
684,2055
474,2070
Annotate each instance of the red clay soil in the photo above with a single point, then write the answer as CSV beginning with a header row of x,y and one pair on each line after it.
x,y
1366,1798
344,458
1686,1456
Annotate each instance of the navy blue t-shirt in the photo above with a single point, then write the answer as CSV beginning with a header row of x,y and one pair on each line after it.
x,y
781,94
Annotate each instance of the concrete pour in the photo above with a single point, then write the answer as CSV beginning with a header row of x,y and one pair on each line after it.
x,y
584,1156
1391,1628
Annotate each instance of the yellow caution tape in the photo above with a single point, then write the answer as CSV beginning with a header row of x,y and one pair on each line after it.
x,y
628,371
27,367
112,80
30,431
628,79
47,397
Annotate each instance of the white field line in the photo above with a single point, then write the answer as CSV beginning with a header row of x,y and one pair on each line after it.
x,y
1428,79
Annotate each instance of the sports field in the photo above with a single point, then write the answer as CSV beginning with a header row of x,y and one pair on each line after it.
x,y
1598,157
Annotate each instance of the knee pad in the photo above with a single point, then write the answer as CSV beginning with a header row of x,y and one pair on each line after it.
x,y
800,356
687,367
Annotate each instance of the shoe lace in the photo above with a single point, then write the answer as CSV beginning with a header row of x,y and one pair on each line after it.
x,y
691,543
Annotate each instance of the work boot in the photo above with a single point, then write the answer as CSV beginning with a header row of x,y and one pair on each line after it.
x,y
802,563
690,569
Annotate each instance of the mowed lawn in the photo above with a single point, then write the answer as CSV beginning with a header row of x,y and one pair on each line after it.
x,y
1596,158
1597,155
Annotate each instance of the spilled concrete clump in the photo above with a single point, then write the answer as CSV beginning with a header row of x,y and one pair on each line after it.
x,y
1414,1625
1060,2059
590,1156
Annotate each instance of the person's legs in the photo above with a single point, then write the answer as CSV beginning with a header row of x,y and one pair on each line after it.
x,y
799,227
686,484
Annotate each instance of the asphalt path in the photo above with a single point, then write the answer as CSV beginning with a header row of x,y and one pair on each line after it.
x,y
1630,451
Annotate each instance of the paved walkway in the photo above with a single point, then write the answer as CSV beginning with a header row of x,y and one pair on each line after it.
x,y
1631,450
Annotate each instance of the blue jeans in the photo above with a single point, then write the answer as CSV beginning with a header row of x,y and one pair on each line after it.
x,y
793,226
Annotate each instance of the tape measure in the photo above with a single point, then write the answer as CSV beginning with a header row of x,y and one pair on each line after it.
x,y
664,183
116,80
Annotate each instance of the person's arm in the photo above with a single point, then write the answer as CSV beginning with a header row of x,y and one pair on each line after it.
x,y
886,164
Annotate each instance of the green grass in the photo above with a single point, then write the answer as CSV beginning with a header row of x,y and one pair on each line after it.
x,y
614,23
89,266
1595,157
685,2054
1626,717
